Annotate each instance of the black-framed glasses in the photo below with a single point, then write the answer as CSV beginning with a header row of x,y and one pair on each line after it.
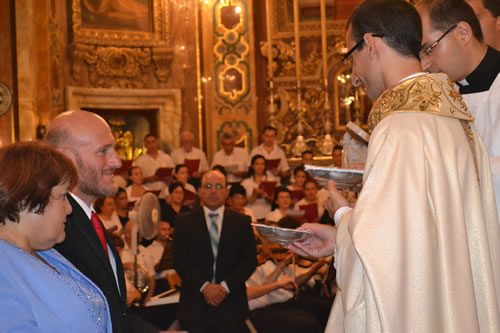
x,y
347,59
427,51
211,186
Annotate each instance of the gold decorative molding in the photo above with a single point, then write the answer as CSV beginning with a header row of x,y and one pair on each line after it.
x,y
56,79
162,56
117,46
121,67
228,77
312,109
282,23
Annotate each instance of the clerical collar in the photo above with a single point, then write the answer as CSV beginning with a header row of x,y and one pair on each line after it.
x,y
483,76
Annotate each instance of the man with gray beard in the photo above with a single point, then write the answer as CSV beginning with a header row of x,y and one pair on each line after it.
x,y
87,139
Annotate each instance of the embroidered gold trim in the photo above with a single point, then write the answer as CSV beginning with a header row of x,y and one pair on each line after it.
x,y
430,93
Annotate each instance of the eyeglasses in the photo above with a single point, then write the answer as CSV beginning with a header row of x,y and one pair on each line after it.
x,y
347,59
427,51
211,186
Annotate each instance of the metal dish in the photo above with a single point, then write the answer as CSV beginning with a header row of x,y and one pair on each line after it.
x,y
345,179
281,236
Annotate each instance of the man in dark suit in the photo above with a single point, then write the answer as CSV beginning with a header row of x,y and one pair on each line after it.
x,y
214,254
87,140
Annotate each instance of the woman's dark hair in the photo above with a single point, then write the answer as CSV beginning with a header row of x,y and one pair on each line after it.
x,y
444,14
251,171
132,169
289,222
98,203
311,180
300,168
305,152
173,186
280,189
237,189
178,167
396,20
28,172
119,191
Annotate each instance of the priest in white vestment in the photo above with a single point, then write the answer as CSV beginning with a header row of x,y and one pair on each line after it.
x,y
471,63
420,252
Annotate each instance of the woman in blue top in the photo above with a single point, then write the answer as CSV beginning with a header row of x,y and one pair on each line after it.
x,y
40,291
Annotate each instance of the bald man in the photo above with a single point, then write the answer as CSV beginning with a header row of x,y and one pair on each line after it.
x,y
187,151
214,254
87,139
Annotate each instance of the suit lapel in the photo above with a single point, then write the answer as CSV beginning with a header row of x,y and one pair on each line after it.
x,y
226,230
87,229
202,226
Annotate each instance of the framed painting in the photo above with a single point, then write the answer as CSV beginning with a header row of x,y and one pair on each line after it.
x,y
121,22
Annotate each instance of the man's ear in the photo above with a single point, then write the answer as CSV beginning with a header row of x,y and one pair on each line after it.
x,y
370,44
464,32
68,152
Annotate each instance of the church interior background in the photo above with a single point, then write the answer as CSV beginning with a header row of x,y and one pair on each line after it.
x,y
165,66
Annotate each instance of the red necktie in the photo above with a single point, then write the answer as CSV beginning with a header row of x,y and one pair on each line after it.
x,y
96,222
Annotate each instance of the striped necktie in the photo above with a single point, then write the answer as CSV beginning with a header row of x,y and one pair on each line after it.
x,y
214,238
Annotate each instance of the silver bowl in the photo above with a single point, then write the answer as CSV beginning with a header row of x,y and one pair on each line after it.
x,y
281,236
345,179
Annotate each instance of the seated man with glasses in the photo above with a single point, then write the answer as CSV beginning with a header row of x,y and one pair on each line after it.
x,y
419,251
214,254
453,43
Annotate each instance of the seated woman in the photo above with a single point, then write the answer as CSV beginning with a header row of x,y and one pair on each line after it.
x,y
238,199
312,203
175,206
136,190
121,205
181,174
283,200
105,208
40,291
259,200
297,187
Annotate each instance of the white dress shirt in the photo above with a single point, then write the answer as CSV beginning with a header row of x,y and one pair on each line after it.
x,y
149,165
276,153
260,206
208,220
238,159
88,211
179,155
114,221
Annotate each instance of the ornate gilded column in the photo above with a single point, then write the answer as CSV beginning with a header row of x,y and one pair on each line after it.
x,y
228,77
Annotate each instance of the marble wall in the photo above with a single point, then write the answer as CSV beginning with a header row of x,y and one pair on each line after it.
x,y
7,113
210,51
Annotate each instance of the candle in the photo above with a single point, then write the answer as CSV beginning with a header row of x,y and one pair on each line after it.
x,y
324,51
297,50
269,55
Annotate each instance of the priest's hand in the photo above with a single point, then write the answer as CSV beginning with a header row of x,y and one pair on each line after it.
x,y
214,294
320,244
335,199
